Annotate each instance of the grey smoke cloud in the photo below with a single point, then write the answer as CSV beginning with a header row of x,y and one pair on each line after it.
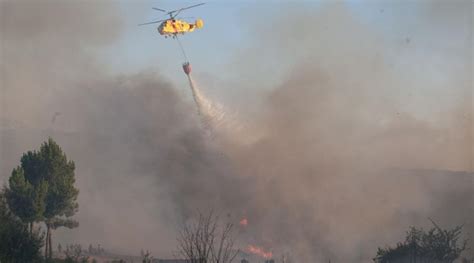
x,y
349,129
341,135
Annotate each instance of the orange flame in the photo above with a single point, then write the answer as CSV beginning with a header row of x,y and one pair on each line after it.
x,y
259,251
244,222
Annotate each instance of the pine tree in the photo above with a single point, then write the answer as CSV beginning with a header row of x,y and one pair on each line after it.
x,y
42,189
17,243
24,199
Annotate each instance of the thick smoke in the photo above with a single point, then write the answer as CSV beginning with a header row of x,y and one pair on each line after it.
x,y
122,131
351,143
144,162
347,148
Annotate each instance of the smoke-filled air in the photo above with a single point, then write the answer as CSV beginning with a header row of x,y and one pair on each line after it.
x,y
322,131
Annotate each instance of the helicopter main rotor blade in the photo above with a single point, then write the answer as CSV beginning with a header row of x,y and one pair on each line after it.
x,y
177,11
153,22
186,17
159,9
184,8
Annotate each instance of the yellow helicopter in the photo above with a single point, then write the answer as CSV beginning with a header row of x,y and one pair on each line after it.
x,y
172,26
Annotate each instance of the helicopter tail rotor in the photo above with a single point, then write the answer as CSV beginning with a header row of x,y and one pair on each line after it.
x,y
199,23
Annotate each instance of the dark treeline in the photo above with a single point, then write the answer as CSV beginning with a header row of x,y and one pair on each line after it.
x,y
436,245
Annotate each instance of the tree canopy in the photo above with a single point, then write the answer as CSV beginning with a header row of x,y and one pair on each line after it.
x,y
25,200
42,189
434,245
17,244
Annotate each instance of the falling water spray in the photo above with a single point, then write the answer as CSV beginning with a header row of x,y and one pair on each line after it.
x,y
217,119
211,113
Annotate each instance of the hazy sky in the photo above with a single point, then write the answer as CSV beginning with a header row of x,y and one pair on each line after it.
x,y
418,48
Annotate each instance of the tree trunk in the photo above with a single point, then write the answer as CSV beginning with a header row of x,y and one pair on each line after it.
x,y
46,250
50,247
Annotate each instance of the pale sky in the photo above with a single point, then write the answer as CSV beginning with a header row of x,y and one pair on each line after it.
x,y
422,48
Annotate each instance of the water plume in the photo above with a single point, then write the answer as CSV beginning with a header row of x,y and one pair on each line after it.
x,y
212,114
219,121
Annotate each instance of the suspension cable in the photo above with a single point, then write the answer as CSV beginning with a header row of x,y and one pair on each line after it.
x,y
182,49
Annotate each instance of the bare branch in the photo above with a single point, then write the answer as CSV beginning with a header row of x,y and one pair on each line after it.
x,y
207,241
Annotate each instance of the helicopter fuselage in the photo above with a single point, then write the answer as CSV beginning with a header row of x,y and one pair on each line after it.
x,y
172,27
